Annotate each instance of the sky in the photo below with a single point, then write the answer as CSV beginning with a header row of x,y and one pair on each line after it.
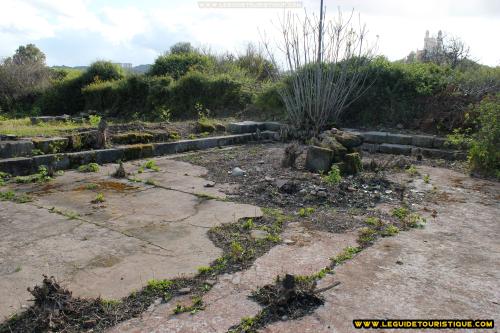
x,y
77,32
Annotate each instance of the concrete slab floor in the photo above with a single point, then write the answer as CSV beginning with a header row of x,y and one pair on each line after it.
x,y
111,248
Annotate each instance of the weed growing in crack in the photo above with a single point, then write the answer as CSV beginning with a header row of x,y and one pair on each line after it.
x,y
12,196
91,186
43,175
204,269
91,167
196,306
151,165
347,254
427,179
374,221
390,230
69,214
408,219
400,212
150,181
366,236
412,171
99,198
205,196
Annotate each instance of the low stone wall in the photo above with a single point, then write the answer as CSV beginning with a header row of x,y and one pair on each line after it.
x,y
28,165
253,126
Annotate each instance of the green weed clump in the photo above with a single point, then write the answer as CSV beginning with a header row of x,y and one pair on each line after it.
x,y
390,230
333,177
196,306
41,176
99,198
12,196
304,212
91,167
347,254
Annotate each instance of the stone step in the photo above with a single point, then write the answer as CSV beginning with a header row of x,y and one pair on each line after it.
x,y
410,150
18,148
416,140
27,165
253,126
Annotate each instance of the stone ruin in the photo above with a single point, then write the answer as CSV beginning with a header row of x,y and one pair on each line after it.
x,y
335,147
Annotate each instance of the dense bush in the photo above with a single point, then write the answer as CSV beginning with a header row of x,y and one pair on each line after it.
x,y
178,64
64,96
216,93
102,71
153,98
484,154
395,92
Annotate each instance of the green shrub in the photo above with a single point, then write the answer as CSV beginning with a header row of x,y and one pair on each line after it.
x,y
177,65
102,71
269,100
220,92
396,92
484,154
333,177
64,96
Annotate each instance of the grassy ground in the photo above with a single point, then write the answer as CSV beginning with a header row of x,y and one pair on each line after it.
x,y
23,127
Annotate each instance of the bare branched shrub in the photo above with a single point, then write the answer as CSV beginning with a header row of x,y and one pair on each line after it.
x,y
322,68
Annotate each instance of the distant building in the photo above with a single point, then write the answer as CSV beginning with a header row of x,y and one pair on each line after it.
x,y
432,45
124,65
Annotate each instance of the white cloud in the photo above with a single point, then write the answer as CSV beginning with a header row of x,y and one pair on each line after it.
x,y
79,31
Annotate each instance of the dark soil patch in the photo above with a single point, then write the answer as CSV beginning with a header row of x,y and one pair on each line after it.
x,y
266,183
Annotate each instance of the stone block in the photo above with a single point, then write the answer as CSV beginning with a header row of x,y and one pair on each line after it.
x,y
246,127
351,164
425,141
443,154
10,149
348,139
438,142
109,155
389,148
375,137
164,148
371,147
46,119
398,139
319,159
17,166
51,145
272,126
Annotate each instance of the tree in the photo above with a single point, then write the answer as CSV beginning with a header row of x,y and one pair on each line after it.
x,y
453,52
182,48
322,69
23,75
29,54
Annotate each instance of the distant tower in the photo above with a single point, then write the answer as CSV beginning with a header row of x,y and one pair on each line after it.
x,y
431,44
439,40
